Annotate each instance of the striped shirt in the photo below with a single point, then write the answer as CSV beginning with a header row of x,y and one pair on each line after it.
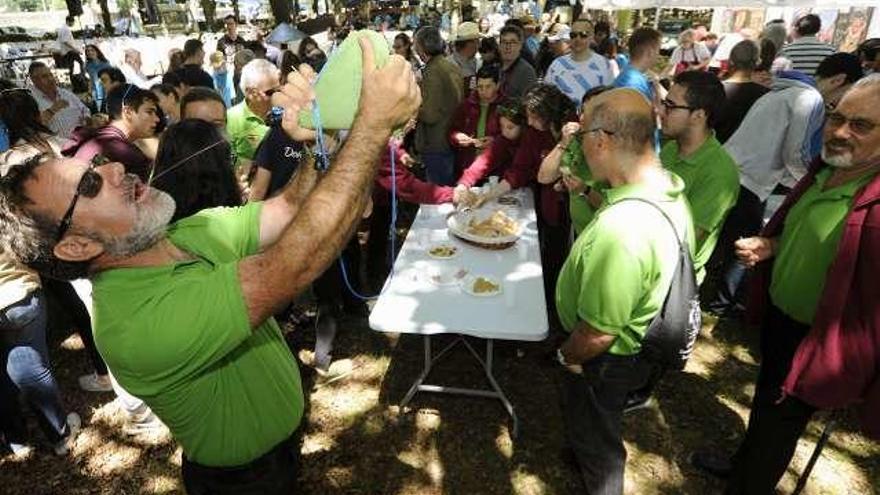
x,y
806,53
64,121
576,78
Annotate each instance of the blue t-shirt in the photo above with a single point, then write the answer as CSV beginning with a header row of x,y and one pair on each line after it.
x,y
635,79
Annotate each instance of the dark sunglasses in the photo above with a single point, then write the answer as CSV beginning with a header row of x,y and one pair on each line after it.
x,y
89,186
580,34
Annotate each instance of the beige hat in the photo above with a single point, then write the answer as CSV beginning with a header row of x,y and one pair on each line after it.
x,y
467,31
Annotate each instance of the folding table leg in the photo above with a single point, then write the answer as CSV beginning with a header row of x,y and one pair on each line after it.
x,y
503,398
424,374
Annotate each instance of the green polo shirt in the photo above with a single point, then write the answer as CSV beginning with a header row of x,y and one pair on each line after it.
x,y
711,184
619,269
245,129
808,245
178,337
579,208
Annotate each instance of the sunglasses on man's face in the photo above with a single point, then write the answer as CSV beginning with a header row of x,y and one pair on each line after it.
x,y
580,34
89,185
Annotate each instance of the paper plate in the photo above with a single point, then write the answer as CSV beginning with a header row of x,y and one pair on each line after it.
x,y
443,275
338,90
444,251
467,285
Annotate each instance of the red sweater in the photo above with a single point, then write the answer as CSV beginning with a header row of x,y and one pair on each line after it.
x,y
838,362
494,161
523,171
409,187
465,120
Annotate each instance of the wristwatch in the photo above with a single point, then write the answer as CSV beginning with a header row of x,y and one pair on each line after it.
x,y
572,368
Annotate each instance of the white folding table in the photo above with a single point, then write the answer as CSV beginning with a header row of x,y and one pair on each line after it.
x,y
412,303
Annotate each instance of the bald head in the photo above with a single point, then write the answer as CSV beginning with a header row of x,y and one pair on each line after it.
x,y
627,116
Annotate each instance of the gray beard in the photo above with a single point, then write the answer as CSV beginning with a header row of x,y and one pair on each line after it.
x,y
149,228
842,160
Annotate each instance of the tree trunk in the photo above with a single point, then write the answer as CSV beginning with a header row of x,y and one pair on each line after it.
x,y
209,8
105,16
235,11
280,10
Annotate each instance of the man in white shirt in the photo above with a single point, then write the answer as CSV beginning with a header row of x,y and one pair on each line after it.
x,y
582,69
61,110
66,48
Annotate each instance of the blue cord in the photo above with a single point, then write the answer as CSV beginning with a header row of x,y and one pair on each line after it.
x,y
322,162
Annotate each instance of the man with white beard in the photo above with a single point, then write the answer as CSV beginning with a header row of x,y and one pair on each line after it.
x,y
815,282
183,313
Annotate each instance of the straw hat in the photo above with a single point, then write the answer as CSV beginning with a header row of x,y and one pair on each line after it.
x,y
467,31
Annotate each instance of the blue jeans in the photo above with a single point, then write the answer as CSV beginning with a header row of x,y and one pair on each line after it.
x,y
592,411
26,367
439,167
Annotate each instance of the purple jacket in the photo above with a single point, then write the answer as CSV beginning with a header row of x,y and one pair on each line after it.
x,y
838,362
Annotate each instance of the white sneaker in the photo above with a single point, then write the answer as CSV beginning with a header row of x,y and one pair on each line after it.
x,y
95,383
74,425
21,450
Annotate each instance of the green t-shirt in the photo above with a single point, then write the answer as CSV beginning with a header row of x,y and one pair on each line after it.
x,y
711,185
808,245
178,337
619,269
481,120
245,129
580,209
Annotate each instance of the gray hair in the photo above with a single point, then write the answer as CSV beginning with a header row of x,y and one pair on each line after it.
x,y
634,131
255,70
430,40
775,32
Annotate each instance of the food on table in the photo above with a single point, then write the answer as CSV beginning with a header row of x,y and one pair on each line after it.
x,y
509,201
497,225
443,251
484,286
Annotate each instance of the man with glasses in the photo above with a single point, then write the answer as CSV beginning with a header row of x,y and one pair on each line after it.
x,y
517,75
817,270
615,281
711,179
183,312
132,117
246,122
774,145
582,69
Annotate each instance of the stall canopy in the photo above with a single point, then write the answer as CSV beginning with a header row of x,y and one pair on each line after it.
x,y
739,4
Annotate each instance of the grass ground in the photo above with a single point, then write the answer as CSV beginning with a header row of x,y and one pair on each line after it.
x,y
358,441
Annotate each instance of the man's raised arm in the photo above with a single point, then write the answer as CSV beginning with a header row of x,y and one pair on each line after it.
x,y
326,218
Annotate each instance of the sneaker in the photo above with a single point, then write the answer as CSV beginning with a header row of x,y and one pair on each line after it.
x,y
148,424
711,462
74,424
337,370
95,383
20,450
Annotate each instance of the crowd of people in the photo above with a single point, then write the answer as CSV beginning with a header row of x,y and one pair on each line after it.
x,y
188,211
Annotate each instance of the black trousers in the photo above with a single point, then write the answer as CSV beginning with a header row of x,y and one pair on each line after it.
x,y
68,301
592,410
274,473
774,426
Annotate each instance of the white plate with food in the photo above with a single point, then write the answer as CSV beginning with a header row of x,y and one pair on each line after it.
x,y
484,226
480,285
445,275
442,251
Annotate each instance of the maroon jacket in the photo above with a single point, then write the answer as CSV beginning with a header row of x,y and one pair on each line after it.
x,y
493,161
409,187
838,362
465,120
111,142
534,146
